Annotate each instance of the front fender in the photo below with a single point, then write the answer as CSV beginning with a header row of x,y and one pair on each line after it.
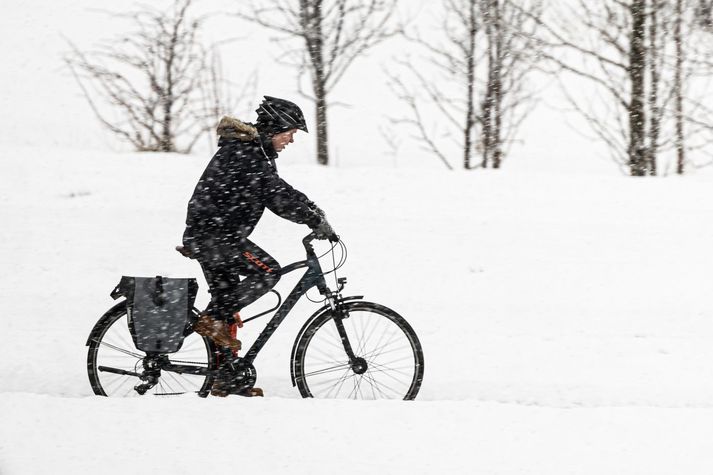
x,y
314,316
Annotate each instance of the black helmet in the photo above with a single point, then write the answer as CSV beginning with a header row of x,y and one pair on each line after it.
x,y
279,115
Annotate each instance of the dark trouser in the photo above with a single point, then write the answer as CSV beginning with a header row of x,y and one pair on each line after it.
x,y
223,263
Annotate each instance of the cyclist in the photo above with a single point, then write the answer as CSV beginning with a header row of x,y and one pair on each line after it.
x,y
237,185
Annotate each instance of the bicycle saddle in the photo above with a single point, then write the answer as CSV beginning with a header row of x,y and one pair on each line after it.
x,y
185,252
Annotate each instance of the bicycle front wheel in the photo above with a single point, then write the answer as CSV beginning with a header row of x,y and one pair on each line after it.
x,y
389,357
114,364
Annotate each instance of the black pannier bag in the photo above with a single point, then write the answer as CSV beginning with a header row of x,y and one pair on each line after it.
x,y
159,310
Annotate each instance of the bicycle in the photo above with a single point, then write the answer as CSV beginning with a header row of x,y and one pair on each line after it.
x,y
349,348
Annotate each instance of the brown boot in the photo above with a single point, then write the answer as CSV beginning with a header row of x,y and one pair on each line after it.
x,y
217,331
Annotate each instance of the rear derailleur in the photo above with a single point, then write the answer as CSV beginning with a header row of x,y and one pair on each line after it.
x,y
151,374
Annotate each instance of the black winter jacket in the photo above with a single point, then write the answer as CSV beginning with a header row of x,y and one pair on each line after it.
x,y
238,184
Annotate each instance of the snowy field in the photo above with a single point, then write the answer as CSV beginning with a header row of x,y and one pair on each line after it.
x,y
565,318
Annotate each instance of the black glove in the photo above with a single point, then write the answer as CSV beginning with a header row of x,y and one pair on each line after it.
x,y
324,231
317,210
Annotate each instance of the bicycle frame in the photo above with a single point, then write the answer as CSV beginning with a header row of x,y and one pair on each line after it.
x,y
313,277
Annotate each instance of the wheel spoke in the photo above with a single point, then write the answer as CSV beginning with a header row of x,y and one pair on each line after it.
x,y
374,385
382,350
116,379
368,336
395,370
339,383
371,384
361,378
121,350
327,370
128,391
389,341
397,360
381,383
330,358
355,391
177,380
387,373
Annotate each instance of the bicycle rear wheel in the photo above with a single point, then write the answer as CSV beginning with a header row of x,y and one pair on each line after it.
x,y
389,354
111,351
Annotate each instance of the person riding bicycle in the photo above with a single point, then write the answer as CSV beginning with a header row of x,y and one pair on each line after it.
x,y
238,184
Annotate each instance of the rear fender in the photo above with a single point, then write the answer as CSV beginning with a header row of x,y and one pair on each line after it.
x,y
118,308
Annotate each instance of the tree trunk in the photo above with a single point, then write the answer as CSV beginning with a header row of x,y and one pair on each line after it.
x,y
322,142
655,117
167,138
678,88
470,109
496,140
487,108
312,18
166,129
637,65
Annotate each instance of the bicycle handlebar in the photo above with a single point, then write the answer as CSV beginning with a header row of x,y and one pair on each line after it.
x,y
312,236
308,239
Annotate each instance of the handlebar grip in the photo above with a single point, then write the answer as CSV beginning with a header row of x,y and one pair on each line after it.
x,y
312,236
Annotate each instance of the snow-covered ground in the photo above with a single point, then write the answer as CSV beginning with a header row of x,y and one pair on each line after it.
x,y
565,317
48,434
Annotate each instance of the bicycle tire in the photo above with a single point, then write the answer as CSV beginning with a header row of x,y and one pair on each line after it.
x,y
110,340
321,366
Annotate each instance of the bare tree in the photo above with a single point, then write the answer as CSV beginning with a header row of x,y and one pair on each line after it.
x,y
608,46
655,65
697,65
333,34
493,87
678,87
637,71
641,57
478,108
511,53
164,88
704,14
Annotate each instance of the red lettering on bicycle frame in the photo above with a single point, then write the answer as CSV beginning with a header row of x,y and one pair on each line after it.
x,y
257,261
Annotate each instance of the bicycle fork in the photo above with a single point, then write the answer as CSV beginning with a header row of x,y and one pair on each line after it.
x,y
358,364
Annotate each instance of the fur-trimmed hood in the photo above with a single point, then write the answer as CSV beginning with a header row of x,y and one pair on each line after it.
x,y
230,128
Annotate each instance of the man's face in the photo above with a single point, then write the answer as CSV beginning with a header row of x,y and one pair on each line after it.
x,y
280,141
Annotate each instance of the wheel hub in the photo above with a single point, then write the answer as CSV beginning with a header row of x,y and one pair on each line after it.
x,y
359,366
